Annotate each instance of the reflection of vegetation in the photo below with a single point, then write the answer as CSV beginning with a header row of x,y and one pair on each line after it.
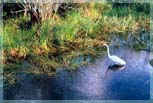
x,y
151,62
56,42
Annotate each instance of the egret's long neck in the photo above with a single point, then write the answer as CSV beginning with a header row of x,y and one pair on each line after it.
x,y
108,51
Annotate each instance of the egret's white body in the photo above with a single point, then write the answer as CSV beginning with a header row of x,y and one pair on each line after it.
x,y
117,60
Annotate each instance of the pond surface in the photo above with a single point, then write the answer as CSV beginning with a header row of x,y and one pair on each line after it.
x,y
100,81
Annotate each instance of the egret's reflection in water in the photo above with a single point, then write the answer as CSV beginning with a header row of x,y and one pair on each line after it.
x,y
114,67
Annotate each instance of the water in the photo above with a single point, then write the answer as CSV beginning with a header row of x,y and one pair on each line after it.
x,y
100,81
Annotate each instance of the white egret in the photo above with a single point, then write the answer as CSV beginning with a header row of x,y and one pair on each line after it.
x,y
117,60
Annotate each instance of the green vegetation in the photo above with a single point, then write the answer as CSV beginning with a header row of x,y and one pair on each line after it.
x,y
69,41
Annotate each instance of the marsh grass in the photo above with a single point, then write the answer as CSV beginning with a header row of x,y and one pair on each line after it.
x,y
69,41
